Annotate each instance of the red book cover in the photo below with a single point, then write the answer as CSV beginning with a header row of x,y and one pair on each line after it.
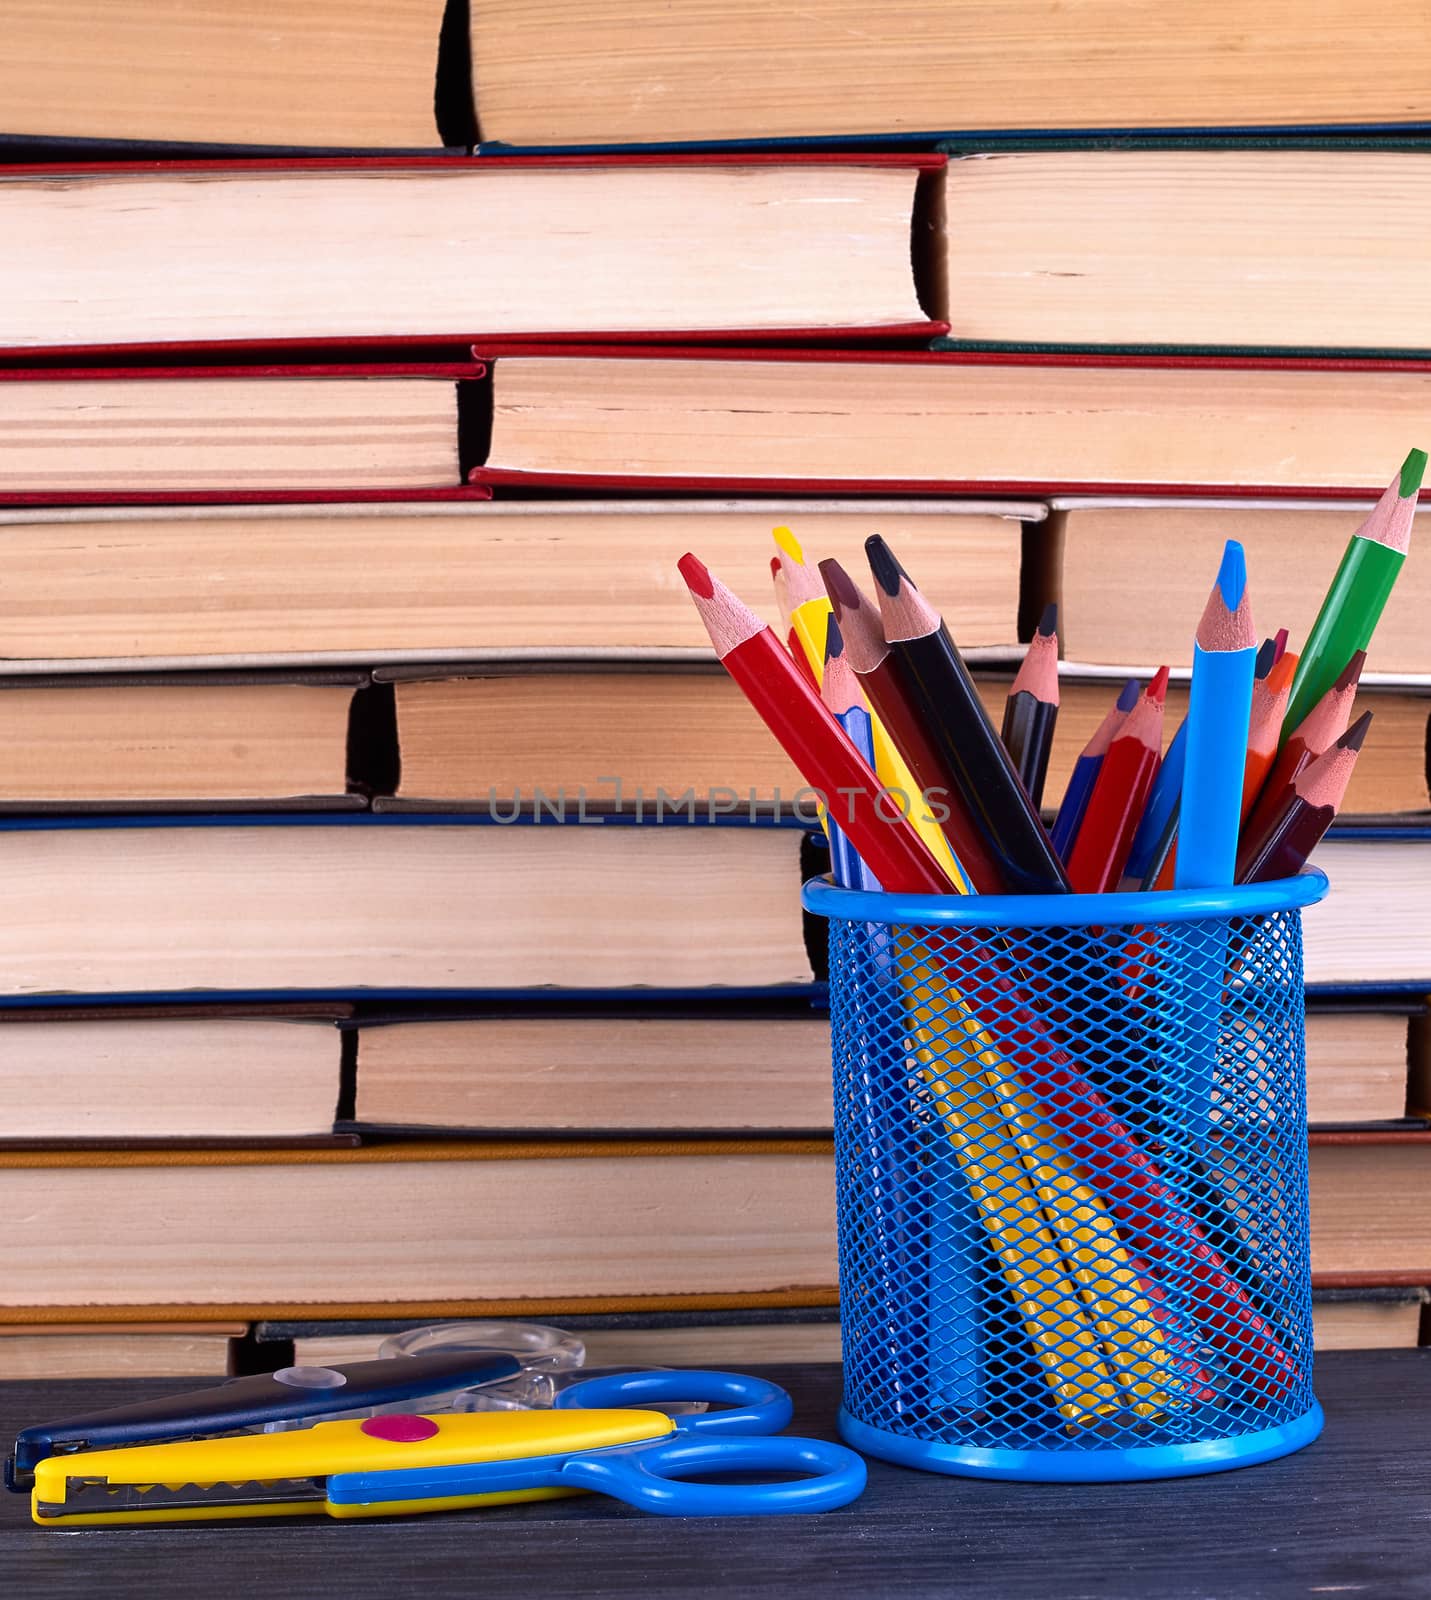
x,y
220,494
460,338
491,353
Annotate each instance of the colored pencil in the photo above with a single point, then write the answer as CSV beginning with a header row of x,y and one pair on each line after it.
x,y
1219,709
1100,851
1031,709
1279,644
1358,594
1085,769
1157,828
937,684
868,655
810,736
843,700
1317,793
809,614
1323,725
1270,693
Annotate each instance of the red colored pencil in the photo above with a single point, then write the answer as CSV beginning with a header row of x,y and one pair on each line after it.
x,y
1100,852
1312,803
811,737
1323,725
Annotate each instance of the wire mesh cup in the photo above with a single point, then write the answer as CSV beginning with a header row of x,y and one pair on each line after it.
x,y
1071,1155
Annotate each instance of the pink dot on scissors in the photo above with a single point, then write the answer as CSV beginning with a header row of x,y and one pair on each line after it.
x,y
400,1429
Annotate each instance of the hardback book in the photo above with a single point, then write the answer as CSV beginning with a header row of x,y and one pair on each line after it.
x,y
306,252
45,1352
364,584
567,1069
467,740
978,422
95,435
141,1073
1098,555
443,1230
332,72
749,70
336,905
1239,245
1371,929
179,740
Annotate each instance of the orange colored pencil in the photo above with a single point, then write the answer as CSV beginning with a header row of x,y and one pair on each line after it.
x,y
1269,705
1100,852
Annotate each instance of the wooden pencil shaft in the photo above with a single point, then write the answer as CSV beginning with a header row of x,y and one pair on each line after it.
x,y
904,725
1283,850
827,760
1027,735
937,684
1152,834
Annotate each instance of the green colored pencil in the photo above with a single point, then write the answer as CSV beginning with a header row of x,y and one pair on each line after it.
x,y
1359,592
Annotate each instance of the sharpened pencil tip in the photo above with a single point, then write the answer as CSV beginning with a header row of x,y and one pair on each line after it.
x,y
1128,694
1048,622
1266,658
1158,688
1413,470
1280,640
1232,574
840,587
1355,736
787,544
887,571
698,580
834,639
1351,673
775,568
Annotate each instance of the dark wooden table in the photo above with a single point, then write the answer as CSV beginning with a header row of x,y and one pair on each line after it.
x,y
1349,1516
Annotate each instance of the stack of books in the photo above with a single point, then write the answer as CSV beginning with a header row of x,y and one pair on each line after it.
x,y
402,913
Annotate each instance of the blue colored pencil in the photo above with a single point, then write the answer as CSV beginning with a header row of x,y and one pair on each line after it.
x,y
1151,841
1086,770
1219,710
845,701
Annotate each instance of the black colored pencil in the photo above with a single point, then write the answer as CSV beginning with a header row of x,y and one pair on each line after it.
x,y
936,680
1031,710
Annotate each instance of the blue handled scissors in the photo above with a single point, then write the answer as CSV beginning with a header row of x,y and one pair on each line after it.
x,y
649,1472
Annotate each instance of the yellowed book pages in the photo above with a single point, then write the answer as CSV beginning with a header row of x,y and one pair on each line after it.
x,y
1368,1324
1189,246
176,1078
404,1229
366,584
70,436
1133,573
947,421
1362,1220
330,72
631,1073
1372,926
49,1354
470,248
258,740
334,908
1356,1066
618,71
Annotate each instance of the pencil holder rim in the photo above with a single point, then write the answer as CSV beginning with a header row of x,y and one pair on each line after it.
x,y
822,898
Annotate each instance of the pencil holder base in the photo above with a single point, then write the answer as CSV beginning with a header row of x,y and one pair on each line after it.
x,y
1086,1466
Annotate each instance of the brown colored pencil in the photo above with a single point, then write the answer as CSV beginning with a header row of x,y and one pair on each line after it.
x,y
1316,795
1031,709
868,654
1323,725
938,686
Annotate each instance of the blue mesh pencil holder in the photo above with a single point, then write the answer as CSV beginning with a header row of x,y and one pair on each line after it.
x,y
1071,1154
